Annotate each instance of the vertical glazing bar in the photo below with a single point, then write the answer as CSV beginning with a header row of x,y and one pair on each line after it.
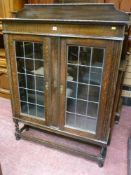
x,y
89,80
25,76
34,79
77,82
100,84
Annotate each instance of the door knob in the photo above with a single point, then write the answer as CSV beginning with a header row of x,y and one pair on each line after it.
x,y
55,84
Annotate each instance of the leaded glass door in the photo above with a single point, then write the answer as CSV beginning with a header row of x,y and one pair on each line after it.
x,y
83,81
30,77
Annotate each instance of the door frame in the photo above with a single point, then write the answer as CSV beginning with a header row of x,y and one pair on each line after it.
x,y
14,80
103,116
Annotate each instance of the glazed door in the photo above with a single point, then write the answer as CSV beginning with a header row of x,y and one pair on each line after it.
x,y
30,81
85,72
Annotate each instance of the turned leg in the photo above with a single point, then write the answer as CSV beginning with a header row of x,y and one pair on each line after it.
x,y
102,156
17,130
117,118
109,140
26,127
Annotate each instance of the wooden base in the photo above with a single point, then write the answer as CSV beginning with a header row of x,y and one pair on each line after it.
x,y
5,95
118,113
19,133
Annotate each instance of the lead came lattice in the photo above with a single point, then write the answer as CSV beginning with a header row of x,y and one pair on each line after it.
x,y
30,69
84,76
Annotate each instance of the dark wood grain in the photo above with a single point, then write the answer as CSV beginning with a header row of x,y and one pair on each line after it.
x,y
55,73
40,1
80,1
82,13
124,5
57,26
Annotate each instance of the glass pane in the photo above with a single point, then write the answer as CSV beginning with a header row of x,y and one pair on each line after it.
x,y
97,57
20,65
70,119
81,107
40,111
84,74
31,96
90,124
73,54
71,89
30,77
80,122
40,99
71,105
28,49
39,69
22,80
40,83
38,51
19,49
72,73
29,66
84,68
32,109
24,107
93,93
95,76
30,82
92,109
82,91
85,55
23,94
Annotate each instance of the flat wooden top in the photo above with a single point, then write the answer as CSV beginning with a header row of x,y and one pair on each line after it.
x,y
91,13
